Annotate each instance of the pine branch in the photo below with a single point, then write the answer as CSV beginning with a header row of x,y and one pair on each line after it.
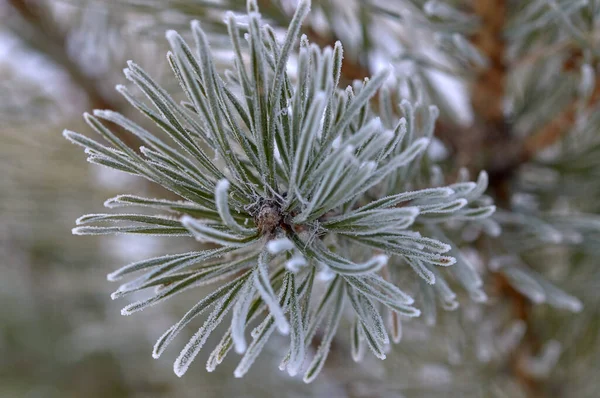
x,y
297,182
491,137
276,174
555,129
521,309
488,91
502,153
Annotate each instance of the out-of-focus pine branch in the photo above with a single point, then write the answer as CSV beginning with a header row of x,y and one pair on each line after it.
x,y
33,24
556,128
492,144
487,143
488,90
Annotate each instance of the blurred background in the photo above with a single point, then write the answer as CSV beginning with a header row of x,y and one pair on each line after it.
x,y
60,333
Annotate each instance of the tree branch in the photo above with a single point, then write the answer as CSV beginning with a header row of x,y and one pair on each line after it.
x,y
490,144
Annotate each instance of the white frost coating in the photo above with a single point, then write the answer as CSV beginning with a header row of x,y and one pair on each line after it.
x,y
276,246
381,260
205,233
194,345
214,359
170,35
325,274
588,80
156,351
221,200
336,142
374,322
118,274
189,352
262,283
389,289
297,343
437,151
238,320
332,324
223,185
447,207
78,231
422,271
264,332
295,263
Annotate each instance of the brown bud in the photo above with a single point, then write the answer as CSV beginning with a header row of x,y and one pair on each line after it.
x,y
268,218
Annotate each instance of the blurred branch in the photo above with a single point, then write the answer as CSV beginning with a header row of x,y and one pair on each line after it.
x,y
554,130
40,32
488,143
491,145
488,89
521,308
